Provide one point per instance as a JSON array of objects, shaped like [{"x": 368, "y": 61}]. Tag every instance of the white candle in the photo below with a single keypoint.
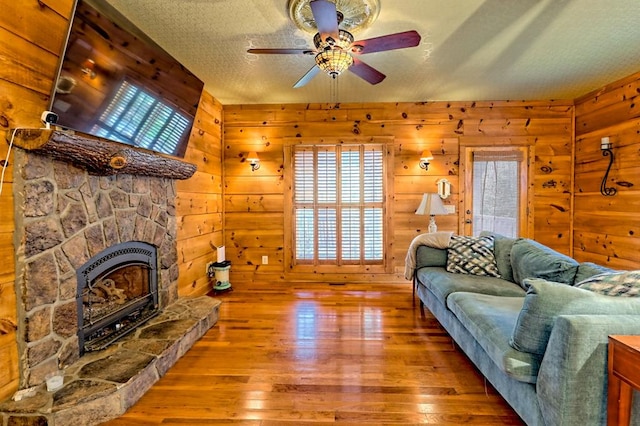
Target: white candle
[
  {"x": 221, "y": 255},
  {"x": 604, "y": 143}
]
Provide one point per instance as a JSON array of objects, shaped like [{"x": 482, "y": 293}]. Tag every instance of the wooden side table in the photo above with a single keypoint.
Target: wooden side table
[{"x": 624, "y": 376}]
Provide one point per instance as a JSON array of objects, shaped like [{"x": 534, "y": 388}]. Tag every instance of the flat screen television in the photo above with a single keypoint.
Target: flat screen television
[{"x": 116, "y": 83}]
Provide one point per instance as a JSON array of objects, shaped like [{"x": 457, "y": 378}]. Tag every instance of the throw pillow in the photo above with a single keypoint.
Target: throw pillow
[
  {"x": 530, "y": 259},
  {"x": 502, "y": 250},
  {"x": 546, "y": 300},
  {"x": 472, "y": 255},
  {"x": 624, "y": 283}
]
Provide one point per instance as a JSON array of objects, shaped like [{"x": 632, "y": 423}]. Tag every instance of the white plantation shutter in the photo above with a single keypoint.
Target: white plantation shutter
[
  {"x": 305, "y": 193},
  {"x": 374, "y": 197},
  {"x": 339, "y": 211}
]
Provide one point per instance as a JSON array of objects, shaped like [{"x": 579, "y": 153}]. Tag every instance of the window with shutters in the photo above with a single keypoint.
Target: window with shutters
[
  {"x": 338, "y": 204},
  {"x": 140, "y": 118}
]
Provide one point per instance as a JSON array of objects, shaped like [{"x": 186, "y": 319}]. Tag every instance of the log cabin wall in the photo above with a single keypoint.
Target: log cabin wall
[
  {"x": 254, "y": 201},
  {"x": 607, "y": 228},
  {"x": 199, "y": 200},
  {"x": 32, "y": 34}
]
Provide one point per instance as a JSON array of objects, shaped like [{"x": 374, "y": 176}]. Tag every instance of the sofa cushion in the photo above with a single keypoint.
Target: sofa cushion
[
  {"x": 623, "y": 283},
  {"x": 546, "y": 300},
  {"x": 502, "y": 250},
  {"x": 490, "y": 320},
  {"x": 442, "y": 283},
  {"x": 472, "y": 255},
  {"x": 530, "y": 259},
  {"x": 588, "y": 269}
]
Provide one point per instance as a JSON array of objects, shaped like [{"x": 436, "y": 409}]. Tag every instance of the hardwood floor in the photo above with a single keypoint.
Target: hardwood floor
[{"x": 323, "y": 354}]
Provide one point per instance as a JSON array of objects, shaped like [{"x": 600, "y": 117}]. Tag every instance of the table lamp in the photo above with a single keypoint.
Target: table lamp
[{"x": 432, "y": 205}]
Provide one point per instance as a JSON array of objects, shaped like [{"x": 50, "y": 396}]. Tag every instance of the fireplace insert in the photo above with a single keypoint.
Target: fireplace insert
[{"x": 117, "y": 292}]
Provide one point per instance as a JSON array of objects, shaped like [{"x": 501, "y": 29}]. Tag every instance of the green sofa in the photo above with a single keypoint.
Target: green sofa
[{"x": 539, "y": 339}]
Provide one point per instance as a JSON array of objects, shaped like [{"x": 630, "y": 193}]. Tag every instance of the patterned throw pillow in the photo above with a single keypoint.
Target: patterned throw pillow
[
  {"x": 472, "y": 255},
  {"x": 624, "y": 283}
]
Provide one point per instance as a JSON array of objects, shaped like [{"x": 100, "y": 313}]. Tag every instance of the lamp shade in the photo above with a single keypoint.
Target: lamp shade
[
  {"x": 426, "y": 155},
  {"x": 431, "y": 204},
  {"x": 252, "y": 156}
]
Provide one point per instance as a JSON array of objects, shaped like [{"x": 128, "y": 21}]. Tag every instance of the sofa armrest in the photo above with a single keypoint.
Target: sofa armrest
[
  {"x": 430, "y": 256},
  {"x": 572, "y": 381}
]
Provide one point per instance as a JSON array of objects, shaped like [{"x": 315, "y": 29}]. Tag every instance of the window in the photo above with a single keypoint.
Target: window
[
  {"x": 496, "y": 190},
  {"x": 496, "y": 198},
  {"x": 139, "y": 118},
  {"x": 339, "y": 205}
]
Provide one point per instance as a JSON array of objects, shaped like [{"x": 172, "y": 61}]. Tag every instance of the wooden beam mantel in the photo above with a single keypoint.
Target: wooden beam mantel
[{"x": 99, "y": 156}]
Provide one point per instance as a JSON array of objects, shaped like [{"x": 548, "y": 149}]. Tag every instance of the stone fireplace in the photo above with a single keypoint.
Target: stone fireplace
[
  {"x": 96, "y": 260},
  {"x": 70, "y": 216}
]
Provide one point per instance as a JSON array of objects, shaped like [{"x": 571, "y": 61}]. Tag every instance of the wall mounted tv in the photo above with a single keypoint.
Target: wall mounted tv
[{"x": 115, "y": 82}]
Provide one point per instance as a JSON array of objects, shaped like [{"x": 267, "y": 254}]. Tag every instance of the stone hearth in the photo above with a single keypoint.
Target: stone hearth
[{"x": 103, "y": 385}]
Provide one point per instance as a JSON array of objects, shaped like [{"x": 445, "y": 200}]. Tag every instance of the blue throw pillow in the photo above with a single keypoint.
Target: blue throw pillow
[
  {"x": 547, "y": 300},
  {"x": 530, "y": 259}
]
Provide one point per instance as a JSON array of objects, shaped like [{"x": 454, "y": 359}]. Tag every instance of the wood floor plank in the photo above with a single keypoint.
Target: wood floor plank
[{"x": 321, "y": 354}]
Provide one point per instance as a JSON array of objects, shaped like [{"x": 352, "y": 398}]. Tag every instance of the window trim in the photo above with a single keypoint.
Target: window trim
[{"x": 294, "y": 269}]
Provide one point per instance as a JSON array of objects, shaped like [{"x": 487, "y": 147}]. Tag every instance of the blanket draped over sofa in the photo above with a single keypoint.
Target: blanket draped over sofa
[{"x": 535, "y": 323}]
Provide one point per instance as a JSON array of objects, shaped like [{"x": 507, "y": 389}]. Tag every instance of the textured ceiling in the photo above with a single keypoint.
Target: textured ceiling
[{"x": 470, "y": 49}]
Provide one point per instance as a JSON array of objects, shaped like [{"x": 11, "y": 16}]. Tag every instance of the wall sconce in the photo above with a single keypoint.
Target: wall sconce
[
  {"x": 606, "y": 146},
  {"x": 431, "y": 205},
  {"x": 89, "y": 68},
  {"x": 425, "y": 157},
  {"x": 253, "y": 160}
]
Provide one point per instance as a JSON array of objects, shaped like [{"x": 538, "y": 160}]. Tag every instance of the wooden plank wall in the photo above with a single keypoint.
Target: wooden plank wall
[
  {"x": 607, "y": 228},
  {"x": 32, "y": 35},
  {"x": 199, "y": 200},
  {"x": 31, "y": 38},
  {"x": 254, "y": 201}
]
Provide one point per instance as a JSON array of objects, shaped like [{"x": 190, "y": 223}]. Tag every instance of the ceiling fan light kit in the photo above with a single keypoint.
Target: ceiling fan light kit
[
  {"x": 334, "y": 62},
  {"x": 335, "y": 47}
]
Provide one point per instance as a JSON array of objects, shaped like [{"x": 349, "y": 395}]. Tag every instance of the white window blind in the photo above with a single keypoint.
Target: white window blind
[{"x": 339, "y": 204}]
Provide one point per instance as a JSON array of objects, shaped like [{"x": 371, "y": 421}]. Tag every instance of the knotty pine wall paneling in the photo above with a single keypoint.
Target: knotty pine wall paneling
[
  {"x": 254, "y": 202},
  {"x": 607, "y": 228},
  {"x": 199, "y": 207},
  {"x": 31, "y": 38},
  {"x": 32, "y": 34}
]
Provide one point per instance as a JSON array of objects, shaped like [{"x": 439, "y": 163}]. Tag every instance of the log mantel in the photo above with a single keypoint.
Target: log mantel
[{"x": 99, "y": 156}]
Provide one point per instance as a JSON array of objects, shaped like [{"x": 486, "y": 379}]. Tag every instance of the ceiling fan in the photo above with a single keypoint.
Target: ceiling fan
[{"x": 335, "y": 49}]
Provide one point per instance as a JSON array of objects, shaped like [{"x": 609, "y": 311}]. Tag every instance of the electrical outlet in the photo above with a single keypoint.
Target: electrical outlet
[
  {"x": 265, "y": 260},
  {"x": 450, "y": 208},
  {"x": 206, "y": 270}
]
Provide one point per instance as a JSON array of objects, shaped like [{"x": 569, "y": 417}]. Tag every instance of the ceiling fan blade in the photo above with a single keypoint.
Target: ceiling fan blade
[
  {"x": 307, "y": 77},
  {"x": 326, "y": 17},
  {"x": 282, "y": 51},
  {"x": 366, "y": 72},
  {"x": 386, "y": 42}
]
